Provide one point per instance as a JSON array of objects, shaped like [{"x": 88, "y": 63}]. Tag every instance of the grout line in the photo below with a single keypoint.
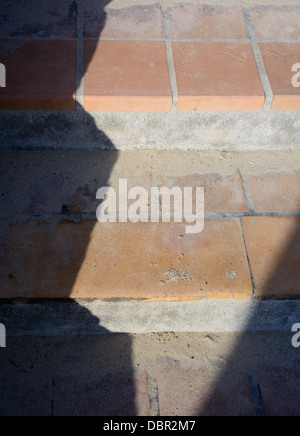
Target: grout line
[
  {"x": 80, "y": 57},
  {"x": 119, "y": 38},
  {"x": 115, "y": 38},
  {"x": 78, "y": 217},
  {"x": 249, "y": 24},
  {"x": 170, "y": 60},
  {"x": 259, "y": 60},
  {"x": 153, "y": 396},
  {"x": 248, "y": 260},
  {"x": 255, "y": 391},
  {"x": 240, "y": 41},
  {"x": 263, "y": 76},
  {"x": 52, "y": 400}
]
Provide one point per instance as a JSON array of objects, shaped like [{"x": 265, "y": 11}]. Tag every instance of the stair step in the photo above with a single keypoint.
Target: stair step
[
  {"x": 150, "y": 58},
  {"x": 53, "y": 246}
]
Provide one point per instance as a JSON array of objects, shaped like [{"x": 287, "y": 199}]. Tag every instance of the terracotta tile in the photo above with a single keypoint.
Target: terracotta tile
[
  {"x": 207, "y": 22},
  {"x": 126, "y": 76},
  {"x": 26, "y": 250},
  {"x": 276, "y": 23},
  {"x": 279, "y": 58},
  {"x": 222, "y": 193},
  {"x": 115, "y": 394},
  {"x": 185, "y": 390},
  {"x": 217, "y": 76},
  {"x": 47, "y": 20},
  {"x": 275, "y": 192},
  {"x": 35, "y": 79},
  {"x": 273, "y": 245},
  {"x": 138, "y": 21},
  {"x": 151, "y": 261}
]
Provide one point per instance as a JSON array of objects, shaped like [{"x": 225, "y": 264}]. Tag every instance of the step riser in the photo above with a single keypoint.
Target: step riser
[
  {"x": 98, "y": 318},
  {"x": 232, "y": 131}
]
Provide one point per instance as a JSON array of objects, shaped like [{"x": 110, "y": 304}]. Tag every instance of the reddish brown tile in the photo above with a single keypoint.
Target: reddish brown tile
[
  {"x": 280, "y": 60},
  {"x": 273, "y": 245},
  {"x": 151, "y": 261},
  {"x": 207, "y": 22},
  {"x": 39, "y": 75},
  {"x": 222, "y": 193},
  {"x": 217, "y": 76},
  {"x": 276, "y": 23},
  {"x": 275, "y": 192},
  {"x": 136, "y": 21},
  {"x": 126, "y": 76}
]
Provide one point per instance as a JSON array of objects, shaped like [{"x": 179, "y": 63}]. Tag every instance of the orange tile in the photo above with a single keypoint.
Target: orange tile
[
  {"x": 274, "y": 23},
  {"x": 275, "y": 192},
  {"x": 273, "y": 245},
  {"x": 207, "y": 22},
  {"x": 126, "y": 76},
  {"x": 138, "y": 21},
  {"x": 222, "y": 193},
  {"x": 39, "y": 74},
  {"x": 217, "y": 76},
  {"x": 279, "y": 58},
  {"x": 124, "y": 260}
]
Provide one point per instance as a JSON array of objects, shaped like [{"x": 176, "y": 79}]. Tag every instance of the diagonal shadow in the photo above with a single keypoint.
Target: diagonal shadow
[{"x": 81, "y": 375}]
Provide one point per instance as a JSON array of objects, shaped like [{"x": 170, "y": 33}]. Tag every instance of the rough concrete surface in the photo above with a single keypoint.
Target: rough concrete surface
[
  {"x": 73, "y": 318},
  {"x": 77, "y": 375},
  {"x": 230, "y": 131}
]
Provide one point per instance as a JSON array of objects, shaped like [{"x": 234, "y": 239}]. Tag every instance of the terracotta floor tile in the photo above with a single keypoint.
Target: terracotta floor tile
[
  {"x": 207, "y": 22},
  {"x": 222, "y": 193},
  {"x": 151, "y": 261},
  {"x": 273, "y": 245},
  {"x": 136, "y": 21},
  {"x": 126, "y": 76},
  {"x": 276, "y": 23},
  {"x": 185, "y": 390},
  {"x": 274, "y": 192},
  {"x": 217, "y": 76},
  {"x": 35, "y": 79},
  {"x": 279, "y": 58}
]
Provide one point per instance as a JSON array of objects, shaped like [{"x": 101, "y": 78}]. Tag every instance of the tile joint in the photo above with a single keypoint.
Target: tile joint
[{"x": 258, "y": 59}]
